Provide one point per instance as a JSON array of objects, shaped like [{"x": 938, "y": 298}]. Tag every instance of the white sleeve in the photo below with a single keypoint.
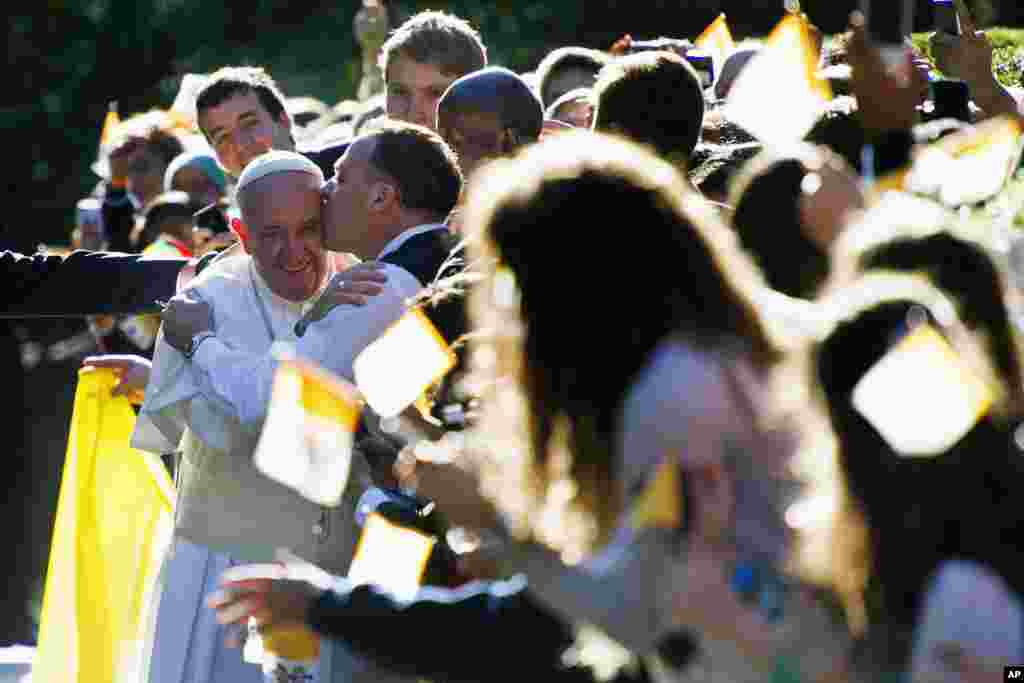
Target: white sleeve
[
  {"x": 335, "y": 341},
  {"x": 966, "y": 605},
  {"x": 240, "y": 382}
]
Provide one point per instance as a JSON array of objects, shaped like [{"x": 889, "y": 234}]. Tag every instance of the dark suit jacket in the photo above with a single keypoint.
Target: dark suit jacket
[
  {"x": 83, "y": 283},
  {"x": 482, "y": 632}
]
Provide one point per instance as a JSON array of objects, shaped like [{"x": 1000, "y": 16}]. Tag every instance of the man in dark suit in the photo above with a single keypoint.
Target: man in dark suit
[{"x": 84, "y": 283}]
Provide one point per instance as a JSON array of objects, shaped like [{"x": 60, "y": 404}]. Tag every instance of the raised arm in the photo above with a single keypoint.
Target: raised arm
[{"x": 84, "y": 283}]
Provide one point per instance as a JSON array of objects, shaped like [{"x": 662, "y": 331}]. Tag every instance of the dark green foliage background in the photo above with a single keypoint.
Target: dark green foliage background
[{"x": 67, "y": 58}]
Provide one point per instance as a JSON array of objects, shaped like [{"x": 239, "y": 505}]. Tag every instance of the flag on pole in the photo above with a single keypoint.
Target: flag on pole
[
  {"x": 779, "y": 95},
  {"x": 306, "y": 442},
  {"x": 410, "y": 357},
  {"x": 717, "y": 40},
  {"x": 114, "y": 521},
  {"x": 110, "y": 123}
]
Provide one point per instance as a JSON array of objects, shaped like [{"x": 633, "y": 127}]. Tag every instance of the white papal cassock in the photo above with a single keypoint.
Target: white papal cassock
[{"x": 210, "y": 409}]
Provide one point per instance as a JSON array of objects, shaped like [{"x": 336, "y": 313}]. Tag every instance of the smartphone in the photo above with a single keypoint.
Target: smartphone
[
  {"x": 945, "y": 17},
  {"x": 951, "y": 100}
]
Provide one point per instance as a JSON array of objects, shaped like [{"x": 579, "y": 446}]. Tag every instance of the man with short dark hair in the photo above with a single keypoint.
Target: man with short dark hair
[
  {"x": 488, "y": 114},
  {"x": 422, "y": 58},
  {"x": 654, "y": 98},
  {"x": 568, "y": 68},
  {"x": 241, "y": 112}
]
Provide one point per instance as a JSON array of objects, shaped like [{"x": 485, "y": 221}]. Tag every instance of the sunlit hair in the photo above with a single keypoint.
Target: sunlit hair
[
  {"x": 497, "y": 91},
  {"x": 964, "y": 271},
  {"x": 875, "y": 524},
  {"x": 766, "y": 196},
  {"x": 654, "y": 98},
  {"x": 563, "y": 331},
  {"x": 442, "y": 40},
  {"x": 564, "y": 59}
]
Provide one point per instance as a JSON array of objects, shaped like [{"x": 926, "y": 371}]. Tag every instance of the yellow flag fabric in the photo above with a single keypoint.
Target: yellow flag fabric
[
  {"x": 391, "y": 556},
  {"x": 717, "y": 39},
  {"x": 114, "y": 520},
  {"x": 110, "y": 124},
  {"x": 779, "y": 95},
  {"x": 394, "y": 370},
  {"x": 660, "y": 506},
  {"x": 306, "y": 442}
]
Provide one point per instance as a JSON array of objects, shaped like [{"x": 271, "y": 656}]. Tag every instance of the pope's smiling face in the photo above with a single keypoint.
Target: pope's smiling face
[{"x": 282, "y": 215}]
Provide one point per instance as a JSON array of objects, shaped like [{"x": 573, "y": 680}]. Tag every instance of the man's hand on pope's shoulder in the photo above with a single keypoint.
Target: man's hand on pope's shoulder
[{"x": 184, "y": 317}]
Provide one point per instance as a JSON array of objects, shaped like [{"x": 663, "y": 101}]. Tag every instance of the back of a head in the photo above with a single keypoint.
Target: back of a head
[
  {"x": 766, "y": 198},
  {"x": 568, "y": 68},
  {"x": 714, "y": 174},
  {"x": 442, "y": 40},
  {"x": 905, "y": 536},
  {"x": 495, "y": 90},
  {"x": 964, "y": 271},
  {"x": 839, "y": 129},
  {"x": 531, "y": 209},
  {"x": 422, "y": 165},
  {"x": 654, "y": 98},
  {"x": 230, "y": 81}
]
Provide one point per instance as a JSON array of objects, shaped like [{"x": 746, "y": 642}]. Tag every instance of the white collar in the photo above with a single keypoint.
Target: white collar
[{"x": 406, "y": 235}]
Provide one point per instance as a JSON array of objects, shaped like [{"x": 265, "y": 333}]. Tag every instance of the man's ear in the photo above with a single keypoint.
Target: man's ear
[{"x": 382, "y": 196}]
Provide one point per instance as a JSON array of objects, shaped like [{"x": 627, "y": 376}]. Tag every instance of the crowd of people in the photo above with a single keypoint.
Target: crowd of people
[{"x": 756, "y": 417}]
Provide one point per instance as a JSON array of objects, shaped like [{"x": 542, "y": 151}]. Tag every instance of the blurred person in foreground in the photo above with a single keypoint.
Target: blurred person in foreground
[
  {"x": 930, "y": 589},
  {"x": 790, "y": 205},
  {"x": 570, "y": 442}
]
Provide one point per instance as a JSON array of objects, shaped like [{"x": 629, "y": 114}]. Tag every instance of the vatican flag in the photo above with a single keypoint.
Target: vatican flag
[
  {"x": 401, "y": 364},
  {"x": 306, "y": 443},
  {"x": 114, "y": 521},
  {"x": 778, "y": 97},
  {"x": 717, "y": 40}
]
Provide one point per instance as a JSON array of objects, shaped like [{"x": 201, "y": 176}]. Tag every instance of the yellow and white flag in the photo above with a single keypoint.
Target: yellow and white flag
[
  {"x": 969, "y": 167},
  {"x": 114, "y": 521},
  {"x": 778, "y": 96},
  {"x": 717, "y": 40},
  {"x": 110, "y": 123},
  {"x": 921, "y": 396},
  {"x": 391, "y": 556},
  {"x": 306, "y": 443},
  {"x": 411, "y": 356}
]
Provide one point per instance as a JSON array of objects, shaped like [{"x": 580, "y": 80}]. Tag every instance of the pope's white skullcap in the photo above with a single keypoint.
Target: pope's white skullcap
[{"x": 277, "y": 162}]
